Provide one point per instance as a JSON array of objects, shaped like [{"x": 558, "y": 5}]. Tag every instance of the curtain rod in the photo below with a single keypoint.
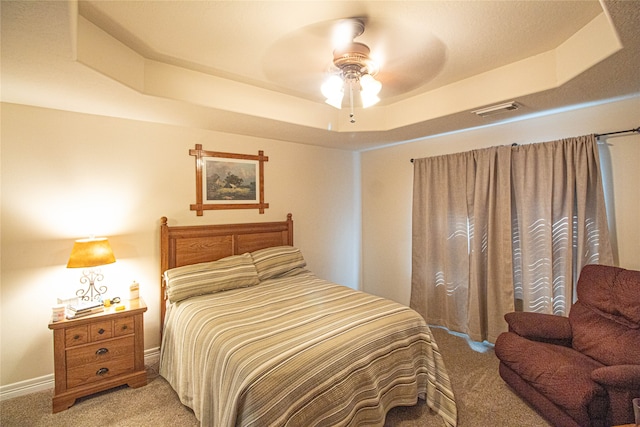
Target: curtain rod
[
  {"x": 598, "y": 135},
  {"x": 637, "y": 130}
]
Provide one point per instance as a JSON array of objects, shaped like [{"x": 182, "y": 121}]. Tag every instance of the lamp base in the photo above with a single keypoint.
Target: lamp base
[{"x": 93, "y": 292}]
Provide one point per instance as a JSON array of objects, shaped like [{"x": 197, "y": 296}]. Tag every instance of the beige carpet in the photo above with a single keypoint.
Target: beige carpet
[{"x": 482, "y": 397}]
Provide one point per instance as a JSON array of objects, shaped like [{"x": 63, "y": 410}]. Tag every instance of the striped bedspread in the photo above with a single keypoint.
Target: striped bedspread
[{"x": 301, "y": 351}]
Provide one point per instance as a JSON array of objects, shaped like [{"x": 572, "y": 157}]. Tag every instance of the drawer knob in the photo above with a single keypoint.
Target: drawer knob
[
  {"x": 102, "y": 371},
  {"x": 124, "y": 327},
  {"x": 101, "y": 331},
  {"x": 76, "y": 337},
  {"x": 102, "y": 351}
]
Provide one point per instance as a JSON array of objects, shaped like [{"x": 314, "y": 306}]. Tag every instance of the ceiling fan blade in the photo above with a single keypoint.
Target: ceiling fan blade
[{"x": 408, "y": 58}]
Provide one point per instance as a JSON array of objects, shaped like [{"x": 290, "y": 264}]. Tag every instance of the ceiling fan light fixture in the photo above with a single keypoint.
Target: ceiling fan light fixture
[
  {"x": 355, "y": 72},
  {"x": 370, "y": 88},
  {"x": 368, "y": 99},
  {"x": 369, "y": 85},
  {"x": 332, "y": 87},
  {"x": 335, "y": 101}
]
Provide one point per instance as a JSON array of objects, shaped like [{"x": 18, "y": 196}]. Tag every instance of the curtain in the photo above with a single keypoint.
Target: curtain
[{"x": 500, "y": 228}]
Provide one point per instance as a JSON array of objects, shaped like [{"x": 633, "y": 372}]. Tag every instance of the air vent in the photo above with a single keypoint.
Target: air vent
[{"x": 495, "y": 109}]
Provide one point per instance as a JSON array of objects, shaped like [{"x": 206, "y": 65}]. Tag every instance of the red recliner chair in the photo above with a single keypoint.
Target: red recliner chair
[{"x": 583, "y": 370}]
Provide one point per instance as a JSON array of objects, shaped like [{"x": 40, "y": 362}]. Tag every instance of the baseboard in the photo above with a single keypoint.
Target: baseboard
[
  {"x": 152, "y": 356},
  {"x": 22, "y": 388},
  {"x": 47, "y": 382}
]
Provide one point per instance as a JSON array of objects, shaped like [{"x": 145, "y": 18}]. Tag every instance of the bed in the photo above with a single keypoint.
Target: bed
[{"x": 251, "y": 337}]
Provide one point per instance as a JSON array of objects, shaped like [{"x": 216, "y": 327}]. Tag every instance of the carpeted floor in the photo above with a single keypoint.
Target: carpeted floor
[{"x": 482, "y": 397}]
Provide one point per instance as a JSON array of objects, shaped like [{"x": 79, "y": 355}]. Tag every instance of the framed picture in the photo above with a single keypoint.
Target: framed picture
[{"x": 228, "y": 181}]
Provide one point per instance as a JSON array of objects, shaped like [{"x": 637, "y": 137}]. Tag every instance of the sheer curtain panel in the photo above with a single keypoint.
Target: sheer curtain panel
[{"x": 503, "y": 227}]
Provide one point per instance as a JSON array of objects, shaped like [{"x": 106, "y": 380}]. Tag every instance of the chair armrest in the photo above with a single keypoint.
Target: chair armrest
[
  {"x": 540, "y": 327},
  {"x": 620, "y": 376}
]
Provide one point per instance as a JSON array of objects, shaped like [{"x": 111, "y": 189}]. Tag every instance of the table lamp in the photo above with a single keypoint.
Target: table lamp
[{"x": 87, "y": 253}]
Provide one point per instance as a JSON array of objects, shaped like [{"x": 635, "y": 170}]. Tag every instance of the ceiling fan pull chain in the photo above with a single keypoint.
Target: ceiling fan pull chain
[{"x": 351, "y": 113}]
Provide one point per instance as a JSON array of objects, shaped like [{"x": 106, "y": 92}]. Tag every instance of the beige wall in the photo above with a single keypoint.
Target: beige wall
[
  {"x": 387, "y": 176},
  {"x": 67, "y": 175}
]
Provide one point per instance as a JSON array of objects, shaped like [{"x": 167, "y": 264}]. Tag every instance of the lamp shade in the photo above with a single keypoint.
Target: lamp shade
[{"x": 91, "y": 253}]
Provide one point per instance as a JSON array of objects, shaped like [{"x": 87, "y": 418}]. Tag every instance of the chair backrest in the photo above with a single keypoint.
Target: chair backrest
[{"x": 605, "y": 321}]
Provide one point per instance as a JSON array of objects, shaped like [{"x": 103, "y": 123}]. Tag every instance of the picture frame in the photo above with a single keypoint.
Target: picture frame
[{"x": 228, "y": 180}]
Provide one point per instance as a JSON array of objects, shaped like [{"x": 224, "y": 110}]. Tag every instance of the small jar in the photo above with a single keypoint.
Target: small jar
[
  {"x": 57, "y": 312},
  {"x": 134, "y": 290}
]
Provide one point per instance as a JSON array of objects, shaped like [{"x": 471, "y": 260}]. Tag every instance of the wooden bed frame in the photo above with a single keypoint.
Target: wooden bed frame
[{"x": 185, "y": 245}]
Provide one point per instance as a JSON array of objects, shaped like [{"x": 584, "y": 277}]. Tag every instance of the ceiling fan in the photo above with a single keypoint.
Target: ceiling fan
[{"x": 353, "y": 72}]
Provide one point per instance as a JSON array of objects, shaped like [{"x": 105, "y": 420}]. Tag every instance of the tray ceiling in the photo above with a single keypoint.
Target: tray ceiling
[{"x": 255, "y": 68}]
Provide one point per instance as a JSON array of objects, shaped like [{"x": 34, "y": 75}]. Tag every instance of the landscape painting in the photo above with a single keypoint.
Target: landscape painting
[{"x": 229, "y": 180}]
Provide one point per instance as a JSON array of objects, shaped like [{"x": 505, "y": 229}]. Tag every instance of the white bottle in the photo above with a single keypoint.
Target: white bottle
[{"x": 134, "y": 290}]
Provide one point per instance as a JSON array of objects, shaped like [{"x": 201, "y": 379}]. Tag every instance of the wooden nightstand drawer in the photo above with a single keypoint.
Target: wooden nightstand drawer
[
  {"x": 76, "y": 335},
  {"x": 100, "y": 352},
  {"x": 124, "y": 326},
  {"x": 99, "y": 371},
  {"x": 101, "y": 330}
]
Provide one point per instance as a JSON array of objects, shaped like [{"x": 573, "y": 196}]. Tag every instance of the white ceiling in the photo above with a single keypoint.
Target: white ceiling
[{"x": 255, "y": 68}]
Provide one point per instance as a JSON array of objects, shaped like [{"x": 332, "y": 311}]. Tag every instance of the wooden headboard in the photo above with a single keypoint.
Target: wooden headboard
[{"x": 184, "y": 245}]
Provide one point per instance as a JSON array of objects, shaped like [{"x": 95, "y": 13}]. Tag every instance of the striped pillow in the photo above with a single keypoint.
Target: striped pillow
[
  {"x": 277, "y": 261},
  {"x": 232, "y": 272}
]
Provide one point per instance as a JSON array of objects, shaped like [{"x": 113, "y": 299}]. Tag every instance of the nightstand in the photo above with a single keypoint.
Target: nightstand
[{"x": 98, "y": 352}]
